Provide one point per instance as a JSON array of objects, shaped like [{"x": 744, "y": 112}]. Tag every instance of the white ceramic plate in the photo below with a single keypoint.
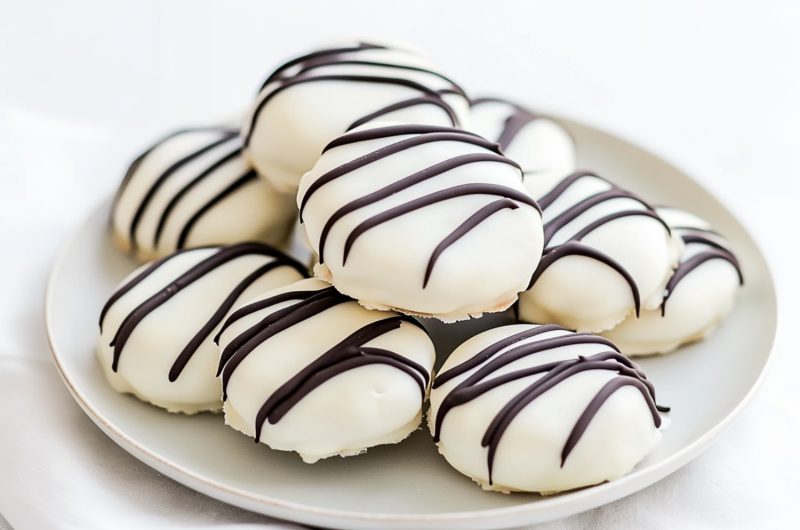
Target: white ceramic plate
[{"x": 410, "y": 485}]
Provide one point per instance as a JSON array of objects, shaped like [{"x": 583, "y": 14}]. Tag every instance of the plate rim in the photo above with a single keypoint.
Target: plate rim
[{"x": 554, "y": 507}]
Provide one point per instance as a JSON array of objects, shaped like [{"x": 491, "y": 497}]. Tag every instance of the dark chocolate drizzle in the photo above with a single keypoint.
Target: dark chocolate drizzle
[
  {"x": 250, "y": 177},
  {"x": 504, "y": 352},
  {"x": 221, "y": 257},
  {"x": 462, "y": 229},
  {"x": 572, "y": 245},
  {"x": 147, "y": 271},
  {"x": 516, "y": 121},
  {"x": 406, "y": 103},
  {"x": 338, "y": 61},
  {"x": 714, "y": 250},
  {"x": 134, "y": 165},
  {"x": 173, "y": 202},
  {"x": 216, "y": 318},
  {"x": 575, "y": 248},
  {"x": 313, "y": 57},
  {"x": 404, "y": 183},
  {"x": 303, "y": 70},
  {"x": 461, "y": 190},
  {"x": 583, "y": 206},
  {"x": 424, "y": 135},
  {"x": 389, "y": 131},
  {"x": 308, "y": 305},
  {"x": 419, "y": 135},
  {"x": 348, "y": 354},
  {"x": 228, "y": 156},
  {"x": 164, "y": 176}
]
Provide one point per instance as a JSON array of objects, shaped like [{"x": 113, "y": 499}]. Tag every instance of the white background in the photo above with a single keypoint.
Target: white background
[{"x": 712, "y": 86}]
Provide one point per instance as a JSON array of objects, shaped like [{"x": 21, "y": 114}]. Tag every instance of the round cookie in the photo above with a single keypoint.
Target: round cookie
[
  {"x": 156, "y": 330},
  {"x": 425, "y": 220},
  {"x": 537, "y": 143},
  {"x": 306, "y": 369},
  {"x": 699, "y": 294},
  {"x": 312, "y": 99},
  {"x": 193, "y": 188},
  {"x": 542, "y": 409},
  {"x": 607, "y": 255}
]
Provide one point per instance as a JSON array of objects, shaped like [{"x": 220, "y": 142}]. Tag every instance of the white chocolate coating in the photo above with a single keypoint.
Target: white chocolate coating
[
  {"x": 583, "y": 292},
  {"x": 537, "y": 143},
  {"x": 194, "y": 188},
  {"x": 337, "y": 408},
  {"x": 697, "y": 304},
  {"x": 305, "y": 103},
  {"x": 530, "y": 453},
  {"x": 158, "y": 339},
  {"x": 382, "y": 168}
]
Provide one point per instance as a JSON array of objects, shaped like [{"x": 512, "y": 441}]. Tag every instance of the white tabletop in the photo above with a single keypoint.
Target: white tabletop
[{"x": 711, "y": 86}]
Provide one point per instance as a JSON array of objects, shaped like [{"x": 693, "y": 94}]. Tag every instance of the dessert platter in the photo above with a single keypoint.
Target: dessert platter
[{"x": 385, "y": 302}]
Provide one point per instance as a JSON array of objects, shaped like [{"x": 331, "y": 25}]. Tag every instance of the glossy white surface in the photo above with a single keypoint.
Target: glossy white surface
[{"x": 384, "y": 487}]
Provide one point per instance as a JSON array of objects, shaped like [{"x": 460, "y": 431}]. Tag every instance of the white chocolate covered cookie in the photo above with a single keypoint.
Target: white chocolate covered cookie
[
  {"x": 306, "y": 369},
  {"x": 537, "y": 143},
  {"x": 156, "y": 330},
  {"x": 312, "y": 99},
  {"x": 193, "y": 188},
  {"x": 607, "y": 256},
  {"x": 421, "y": 219},
  {"x": 698, "y": 296},
  {"x": 542, "y": 409}
]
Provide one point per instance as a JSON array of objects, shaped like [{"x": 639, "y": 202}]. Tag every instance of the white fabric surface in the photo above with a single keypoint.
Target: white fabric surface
[{"x": 712, "y": 86}]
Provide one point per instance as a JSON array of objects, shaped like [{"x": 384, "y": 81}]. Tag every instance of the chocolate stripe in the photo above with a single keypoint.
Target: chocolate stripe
[
  {"x": 597, "y": 401},
  {"x": 550, "y": 197},
  {"x": 454, "y": 87},
  {"x": 513, "y": 125},
  {"x": 463, "y": 229},
  {"x": 574, "y": 248},
  {"x": 555, "y": 376},
  {"x": 402, "y": 184},
  {"x": 399, "y": 130},
  {"x": 198, "y": 271},
  {"x": 488, "y": 352},
  {"x": 162, "y": 178},
  {"x": 433, "y": 198},
  {"x": 446, "y": 135},
  {"x": 472, "y": 387},
  {"x": 245, "y": 336},
  {"x": 400, "y": 105},
  {"x": 346, "y": 355},
  {"x": 173, "y": 202},
  {"x": 594, "y": 225},
  {"x": 369, "y": 79},
  {"x": 692, "y": 263},
  {"x": 189, "y": 350},
  {"x": 289, "y": 317},
  {"x": 253, "y": 307},
  {"x": 134, "y": 165},
  {"x": 573, "y": 212},
  {"x": 248, "y": 177},
  {"x": 122, "y": 291},
  {"x": 314, "y": 56}
]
